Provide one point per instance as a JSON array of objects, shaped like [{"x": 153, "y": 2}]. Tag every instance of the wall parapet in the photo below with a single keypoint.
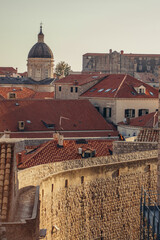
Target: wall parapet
[
  {"x": 128, "y": 147},
  {"x": 34, "y": 175}
]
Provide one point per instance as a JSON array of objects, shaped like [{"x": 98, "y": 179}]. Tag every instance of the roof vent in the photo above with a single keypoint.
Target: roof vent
[
  {"x": 17, "y": 104},
  {"x": 21, "y": 125}
]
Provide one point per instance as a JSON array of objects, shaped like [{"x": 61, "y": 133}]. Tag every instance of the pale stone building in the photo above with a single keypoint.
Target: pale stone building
[
  {"x": 40, "y": 60},
  {"x": 120, "y": 62}
]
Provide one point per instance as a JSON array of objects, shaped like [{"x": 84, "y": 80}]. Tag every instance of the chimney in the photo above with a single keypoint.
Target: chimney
[
  {"x": 127, "y": 121},
  {"x": 122, "y": 52},
  {"x": 16, "y": 70},
  {"x": 55, "y": 136},
  {"x": 110, "y": 51},
  {"x": 6, "y": 133},
  {"x": 19, "y": 158},
  {"x": 60, "y": 140}
]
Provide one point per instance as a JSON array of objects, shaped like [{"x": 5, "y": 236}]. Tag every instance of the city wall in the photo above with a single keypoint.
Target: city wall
[
  {"x": 97, "y": 202},
  {"x": 120, "y": 147},
  {"x": 34, "y": 175}
]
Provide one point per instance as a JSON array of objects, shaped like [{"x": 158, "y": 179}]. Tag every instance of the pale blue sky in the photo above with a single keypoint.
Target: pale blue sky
[{"x": 73, "y": 27}]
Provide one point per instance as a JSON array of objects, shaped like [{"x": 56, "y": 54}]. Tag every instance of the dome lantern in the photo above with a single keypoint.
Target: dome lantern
[{"x": 41, "y": 35}]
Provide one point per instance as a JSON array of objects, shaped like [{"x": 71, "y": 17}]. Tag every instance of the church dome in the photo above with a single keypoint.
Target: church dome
[{"x": 40, "y": 49}]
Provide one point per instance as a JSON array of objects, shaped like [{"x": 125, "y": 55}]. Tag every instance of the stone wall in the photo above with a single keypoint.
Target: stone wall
[
  {"x": 120, "y": 147},
  {"x": 34, "y": 175},
  {"x": 119, "y": 62},
  {"x": 98, "y": 202}
]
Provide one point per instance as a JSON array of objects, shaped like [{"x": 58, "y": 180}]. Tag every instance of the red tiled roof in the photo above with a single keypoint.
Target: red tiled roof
[
  {"x": 74, "y": 134},
  {"x": 70, "y": 115},
  {"x": 147, "y": 120},
  {"x": 6, "y": 163},
  {"x": 49, "y": 152},
  {"x": 80, "y": 79},
  {"x": 24, "y": 93},
  {"x": 120, "y": 86},
  {"x": 141, "y": 55},
  {"x": 148, "y": 135},
  {"x": 24, "y": 74},
  {"x": 8, "y": 70},
  {"x": 95, "y": 54},
  {"x": 20, "y": 92},
  {"x": 125, "y": 54},
  {"x": 43, "y": 95}
]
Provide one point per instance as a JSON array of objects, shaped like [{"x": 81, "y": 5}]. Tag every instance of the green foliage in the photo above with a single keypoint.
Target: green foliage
[{"x": 62, "y": 69}]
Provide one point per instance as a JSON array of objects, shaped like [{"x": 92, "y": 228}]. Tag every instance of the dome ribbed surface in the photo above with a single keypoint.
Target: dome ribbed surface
[{"x": 40, "y": 50}]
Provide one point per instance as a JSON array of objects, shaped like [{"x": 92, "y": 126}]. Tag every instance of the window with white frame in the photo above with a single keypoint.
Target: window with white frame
[
  {"x": 129, "y": 113},
  {"x": 143, "y": 112}
]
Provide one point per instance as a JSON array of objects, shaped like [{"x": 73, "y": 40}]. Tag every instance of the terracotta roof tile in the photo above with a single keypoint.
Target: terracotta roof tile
[
  {"x": 24, "y": 93},
  {"x": 8, "y": 70},
  {"x": 80, "y": 79},
  {"x": 148, "y": 135},
  {"x": 148, "y": 120},
  {"x": 120, "y": 86},
  {"x": 49, "y": 152},
  {"x": 6, "y": 161},
  {"x": 51, "y": 115}
]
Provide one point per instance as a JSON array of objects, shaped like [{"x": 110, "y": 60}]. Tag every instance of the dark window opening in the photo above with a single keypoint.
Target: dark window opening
[
  {"x": 97, "y": 108},
  {"x": 71, "y": 89},
  {"x": 66, "y": 183},
  {"x": 76, "y": 89},
  {"x": 82, "y": 179},
  {"x": 60, "y": 88}
]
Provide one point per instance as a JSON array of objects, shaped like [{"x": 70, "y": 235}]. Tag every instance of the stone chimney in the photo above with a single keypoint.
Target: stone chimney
[
  {"x": 158, "y": 166},
  {"x": 110, "y": 51},
  {"x": 6, "y": 133},
  {"x": 60, "y": 140}
]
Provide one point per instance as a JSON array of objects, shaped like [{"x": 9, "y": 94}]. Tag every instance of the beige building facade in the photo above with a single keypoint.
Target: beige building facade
[{"x": 116, "y": 110}]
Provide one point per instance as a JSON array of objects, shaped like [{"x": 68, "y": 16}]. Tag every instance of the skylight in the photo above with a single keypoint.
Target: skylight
[
  {"x": 107, "y": 90},
  {"x": 133, "y": 93},
  {"x": 93, "y": 89},
  {"x": 151, "y": 93},
  {"x": 114, "y": 90},
  {"x": 100, "y": 90}
]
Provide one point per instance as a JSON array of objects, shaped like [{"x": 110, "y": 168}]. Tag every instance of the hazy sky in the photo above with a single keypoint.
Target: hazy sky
[{"x": 73, "y": 28}]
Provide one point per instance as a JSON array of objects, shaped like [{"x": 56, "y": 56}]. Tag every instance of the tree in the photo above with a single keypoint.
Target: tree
[{"x": 62, "y": 69}]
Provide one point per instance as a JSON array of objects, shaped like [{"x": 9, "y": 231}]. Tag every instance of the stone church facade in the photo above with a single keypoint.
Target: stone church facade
[
  {"x": 120, "y": 62},
  {"x": 40, "y": 60}
]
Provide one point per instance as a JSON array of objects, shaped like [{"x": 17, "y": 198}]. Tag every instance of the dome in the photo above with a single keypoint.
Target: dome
[{"x": 40, "y": 50}]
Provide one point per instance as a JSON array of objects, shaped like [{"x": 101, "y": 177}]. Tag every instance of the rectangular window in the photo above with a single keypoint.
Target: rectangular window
[
  {"x": 60, "y": 88},
  {"x": 71, "y": 89},
  {"x": 129, "y": 113},
  {"x": 12, "y": 95},
  {"x": 107, "y": 112},
  {"x": 143, "y": 112},
  {"x": 76, "y": 89}
]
